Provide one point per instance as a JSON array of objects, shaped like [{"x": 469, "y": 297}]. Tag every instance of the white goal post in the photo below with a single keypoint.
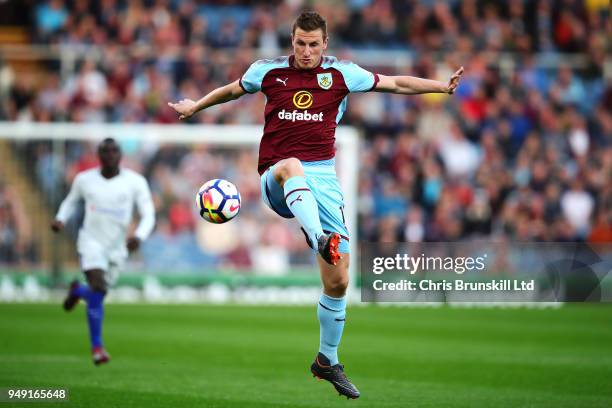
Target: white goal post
[{"x": 347, "y": 143}]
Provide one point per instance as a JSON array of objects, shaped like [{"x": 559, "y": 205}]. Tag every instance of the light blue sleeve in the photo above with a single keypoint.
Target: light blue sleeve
[
  {"x": 253, "y": 77},
  {"x": 356, "y": 78}
]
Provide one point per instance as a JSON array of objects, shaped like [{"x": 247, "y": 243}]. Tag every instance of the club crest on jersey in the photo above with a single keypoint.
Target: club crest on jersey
[{"x": 325, "y": 80}]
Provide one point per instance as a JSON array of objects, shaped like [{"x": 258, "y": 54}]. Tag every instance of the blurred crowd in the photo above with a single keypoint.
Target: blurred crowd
[
  {"x": 523, "y": 25},
  {"x": 186, "y": 48},
  {"x": 522, "y": 150},
  {"x": 16, "y": 242}
]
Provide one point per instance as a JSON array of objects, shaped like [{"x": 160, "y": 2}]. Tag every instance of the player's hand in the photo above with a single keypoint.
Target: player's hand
[
  {"x": 454, "y": 81},
  {"x": 133, "y": 243},
  {"x": 185, "y": 108},
  {"x": 57, "y": 226}
]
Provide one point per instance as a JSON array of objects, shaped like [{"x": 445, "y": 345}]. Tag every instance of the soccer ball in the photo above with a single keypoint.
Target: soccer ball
[{"x": 218, "y": 201}]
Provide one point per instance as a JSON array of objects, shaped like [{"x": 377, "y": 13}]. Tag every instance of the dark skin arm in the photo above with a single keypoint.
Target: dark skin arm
[
  {"x": 133, "y": 243},
  {"x": 57, "y": 226}
]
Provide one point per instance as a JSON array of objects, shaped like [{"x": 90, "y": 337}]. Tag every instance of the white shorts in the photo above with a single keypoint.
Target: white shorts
[{"x": 93, "y": 256}]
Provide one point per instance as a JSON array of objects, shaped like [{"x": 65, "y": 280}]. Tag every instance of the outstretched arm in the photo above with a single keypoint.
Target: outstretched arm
[
  {"x": 409, "y": 85},
  {"x": 187, "y": 108}
]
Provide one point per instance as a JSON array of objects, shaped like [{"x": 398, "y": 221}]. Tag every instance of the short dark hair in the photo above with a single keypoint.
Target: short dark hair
[
  {"x": 310, "y": 20},
  {"x": 107, "y": 141}
]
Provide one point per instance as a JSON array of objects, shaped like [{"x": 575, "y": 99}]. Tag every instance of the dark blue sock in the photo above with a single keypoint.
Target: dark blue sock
[
  {"x": 82, "y": 291},
  {"x": 95, "y": 315},
  {"x": 95, "y": 312}
]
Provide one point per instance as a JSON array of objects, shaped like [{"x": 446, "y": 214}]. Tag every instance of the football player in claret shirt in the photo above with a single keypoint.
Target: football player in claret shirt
[{"x": 306, "y": 95}]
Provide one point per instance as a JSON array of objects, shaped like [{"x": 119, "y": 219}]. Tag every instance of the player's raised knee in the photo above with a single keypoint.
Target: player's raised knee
[
  {"x": 287, "y": 168},
  {"x": 336, "y": 286}
]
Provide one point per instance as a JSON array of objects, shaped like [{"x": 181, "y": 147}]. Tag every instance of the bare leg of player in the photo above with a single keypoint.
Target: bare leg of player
[
  {"x": 286, "y": 169},
  {"x": 335, "y": 277}
]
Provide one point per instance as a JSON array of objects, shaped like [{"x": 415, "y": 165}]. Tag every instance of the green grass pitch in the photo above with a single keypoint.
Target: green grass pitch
[{"x": 239, "y": 356}]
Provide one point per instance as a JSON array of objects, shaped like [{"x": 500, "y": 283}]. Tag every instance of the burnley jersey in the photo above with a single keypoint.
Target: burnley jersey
[{"x": 303, "y": 106}]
